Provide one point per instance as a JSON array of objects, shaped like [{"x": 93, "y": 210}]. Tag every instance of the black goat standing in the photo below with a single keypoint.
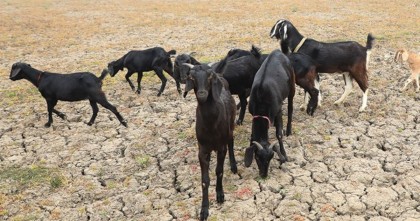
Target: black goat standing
[
  {"x": 273, "y": 83},
  {"x": 66, "y": 87},
  {"x": 239, "y": 67},
  {"x": 215, "y": 116},
  {"x": 181, "y": 71},
  {"x": 152, "y": 59},
  {"x": 349, "y": 56}
]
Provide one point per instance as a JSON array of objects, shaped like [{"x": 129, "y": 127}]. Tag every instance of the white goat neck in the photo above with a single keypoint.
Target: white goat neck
[{"x": 299, "y": 45}]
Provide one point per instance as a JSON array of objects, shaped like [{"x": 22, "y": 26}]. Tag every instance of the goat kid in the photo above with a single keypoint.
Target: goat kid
[
  {"x": 215, "y": 116},
  {"x": 413, "y": 61},
  {"x": 273, "y": 83},
  {"x": 153, "y": 59},
  {"x": 66, "y": 87},
  {"x": 349, "y": 57}
]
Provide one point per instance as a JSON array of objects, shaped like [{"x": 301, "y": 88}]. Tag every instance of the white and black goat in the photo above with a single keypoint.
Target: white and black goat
[
  {"x": 152, "y": 59},
  {"x": 413, "y": 61},
  {"x": 66, "y": 87},
  {"x": 349, "y": 57},
  {"x": 273, "y": 83},
  {"x": 215, "y": 116}
]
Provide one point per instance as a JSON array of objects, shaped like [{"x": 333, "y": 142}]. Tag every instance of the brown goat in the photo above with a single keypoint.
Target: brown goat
[{"x": 414, "y": 64}]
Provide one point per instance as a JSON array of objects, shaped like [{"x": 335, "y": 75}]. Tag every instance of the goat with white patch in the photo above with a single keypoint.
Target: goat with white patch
[
  {"x": 348, "y": 57},
  {"x": 413, "y": 61}
]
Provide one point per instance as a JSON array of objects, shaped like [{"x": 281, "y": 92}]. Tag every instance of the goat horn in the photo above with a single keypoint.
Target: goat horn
[
  {"x": 188, "y": 65},
  {"x": 192, "y": 53},
  {"x": 259, "y": 146}
]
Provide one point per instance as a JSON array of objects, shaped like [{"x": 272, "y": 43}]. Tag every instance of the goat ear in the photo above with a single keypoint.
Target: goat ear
[
  {"x": 249, "y": 155},
  {"x": 189, "y": 85},
  {"x": 15, "y": 72},
  {"x": 194, "y": 62},
  {"x": 216, "y": 86}
]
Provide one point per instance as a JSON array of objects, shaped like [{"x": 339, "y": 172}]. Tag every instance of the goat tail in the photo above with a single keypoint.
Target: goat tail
[
  {"x": 369, "y": 42},
  {"x": 369, "y": 45},
  {"x": 256, "y": 51},
  {"x": 103, "y": 74}
]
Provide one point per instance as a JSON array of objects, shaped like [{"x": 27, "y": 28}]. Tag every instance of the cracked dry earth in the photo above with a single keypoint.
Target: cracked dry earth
[{"x": 343, "y": 165}]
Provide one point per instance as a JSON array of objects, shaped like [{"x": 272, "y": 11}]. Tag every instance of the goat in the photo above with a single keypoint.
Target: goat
[
  {"x": 239, "y": 67},
  {"x": 273, "y": 83},
  {"x": 66, "y": 87},
  {"x": 215, "y": 116},
  {"x": 306, "y": 77},
  {"x": 349, "y": 56},
  {"x": 156, "y": 59},
  {"x": 414, "y": 64}
]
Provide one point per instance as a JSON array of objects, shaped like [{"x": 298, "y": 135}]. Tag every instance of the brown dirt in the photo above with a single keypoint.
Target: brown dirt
[{"x": 344, "y": 165}]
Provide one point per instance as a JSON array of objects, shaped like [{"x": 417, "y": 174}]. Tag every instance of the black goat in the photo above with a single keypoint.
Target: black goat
[
  {"x": 273, "y": 83},
  {"x": 239, "y": 67},
  {"x": 66, "y": 87},
  {"x": 214, "y": 126},
  {"x": 181, "y": 71},
  {"x": 349, "y": 56},
  {"x": 152, "y": 59}
]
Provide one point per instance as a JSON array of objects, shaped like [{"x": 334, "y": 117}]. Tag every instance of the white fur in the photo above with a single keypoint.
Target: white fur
[
  {"x": 317, "y": 86},
  {"x": 364, "y": 101},
  {"x": 368, "y": 52},
  {"x": 285, "y": 32},
  {"x": 275, "y": 28},
  {"x": 347, "y": 89}
]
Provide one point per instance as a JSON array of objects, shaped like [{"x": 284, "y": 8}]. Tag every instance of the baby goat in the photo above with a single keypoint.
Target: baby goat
[
  {"x": 414, "y": 64},
  {"x": 152, "y": 59},
  {"x": 273, "y": 83},
  {"x": 349, "y": 56},
  {"x": 215, "y": 116},
  {"x": 66, "y": 87}
]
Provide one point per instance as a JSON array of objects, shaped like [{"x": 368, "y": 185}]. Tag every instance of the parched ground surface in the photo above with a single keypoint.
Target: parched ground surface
[{"x": 344, "y": 165}]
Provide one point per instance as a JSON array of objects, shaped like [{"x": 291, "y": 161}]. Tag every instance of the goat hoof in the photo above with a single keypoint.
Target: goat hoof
[
  {"x": 239, "y": 122},
  {"x": 47, "y": 125},
  {"x": 124, "y": 123},
  {"x": 89, "y": 123},
  {"x": 204, "y": 213},
  {"x": 220, "y": 197},
  {"x": 234, "y": 169},
  {"x": 138, "y": 91},
  {"x": 159, "y": 94}
]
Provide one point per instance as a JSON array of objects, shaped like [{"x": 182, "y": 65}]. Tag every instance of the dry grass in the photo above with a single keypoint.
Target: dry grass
[{"x": 85, "y": 35}]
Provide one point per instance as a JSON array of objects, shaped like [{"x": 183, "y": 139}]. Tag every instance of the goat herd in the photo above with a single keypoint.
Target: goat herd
[{"x": 268, "y": 79}]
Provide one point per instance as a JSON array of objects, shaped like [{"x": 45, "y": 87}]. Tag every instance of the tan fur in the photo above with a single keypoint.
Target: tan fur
[{"x": 413, "y": 61}]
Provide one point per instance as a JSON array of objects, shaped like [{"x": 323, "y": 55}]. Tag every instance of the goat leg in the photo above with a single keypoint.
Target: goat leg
[
  {"x": 204, "y": 158},
  {"x": 95, "y": 110},
  {"x": 279, "y": 134},
  {"x": 50, "y": 105},
  {"x": 60, "y": 114},
  {"x": 127, "y": 77},
  {"x": 232, "y": 160},
  {"x": 162, "y": 77},
  {"x": 313, "y": 102},
  {"x": 243, "y": 103},
  {"x": 113, "y": 109},
  {"x": 221, "y": 155}
]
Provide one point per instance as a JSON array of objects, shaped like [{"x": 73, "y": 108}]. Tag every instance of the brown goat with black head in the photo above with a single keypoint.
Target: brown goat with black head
[
  {"x": 215, "y": 116},
  {"x": 348, "y": 57}
]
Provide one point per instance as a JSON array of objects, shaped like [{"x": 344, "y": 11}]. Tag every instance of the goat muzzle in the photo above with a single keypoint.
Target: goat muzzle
[{"x": 202, "y": 95}]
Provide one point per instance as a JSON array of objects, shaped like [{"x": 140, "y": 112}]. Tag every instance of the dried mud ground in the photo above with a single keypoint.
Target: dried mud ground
[{"x": 343, "y": 165}]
